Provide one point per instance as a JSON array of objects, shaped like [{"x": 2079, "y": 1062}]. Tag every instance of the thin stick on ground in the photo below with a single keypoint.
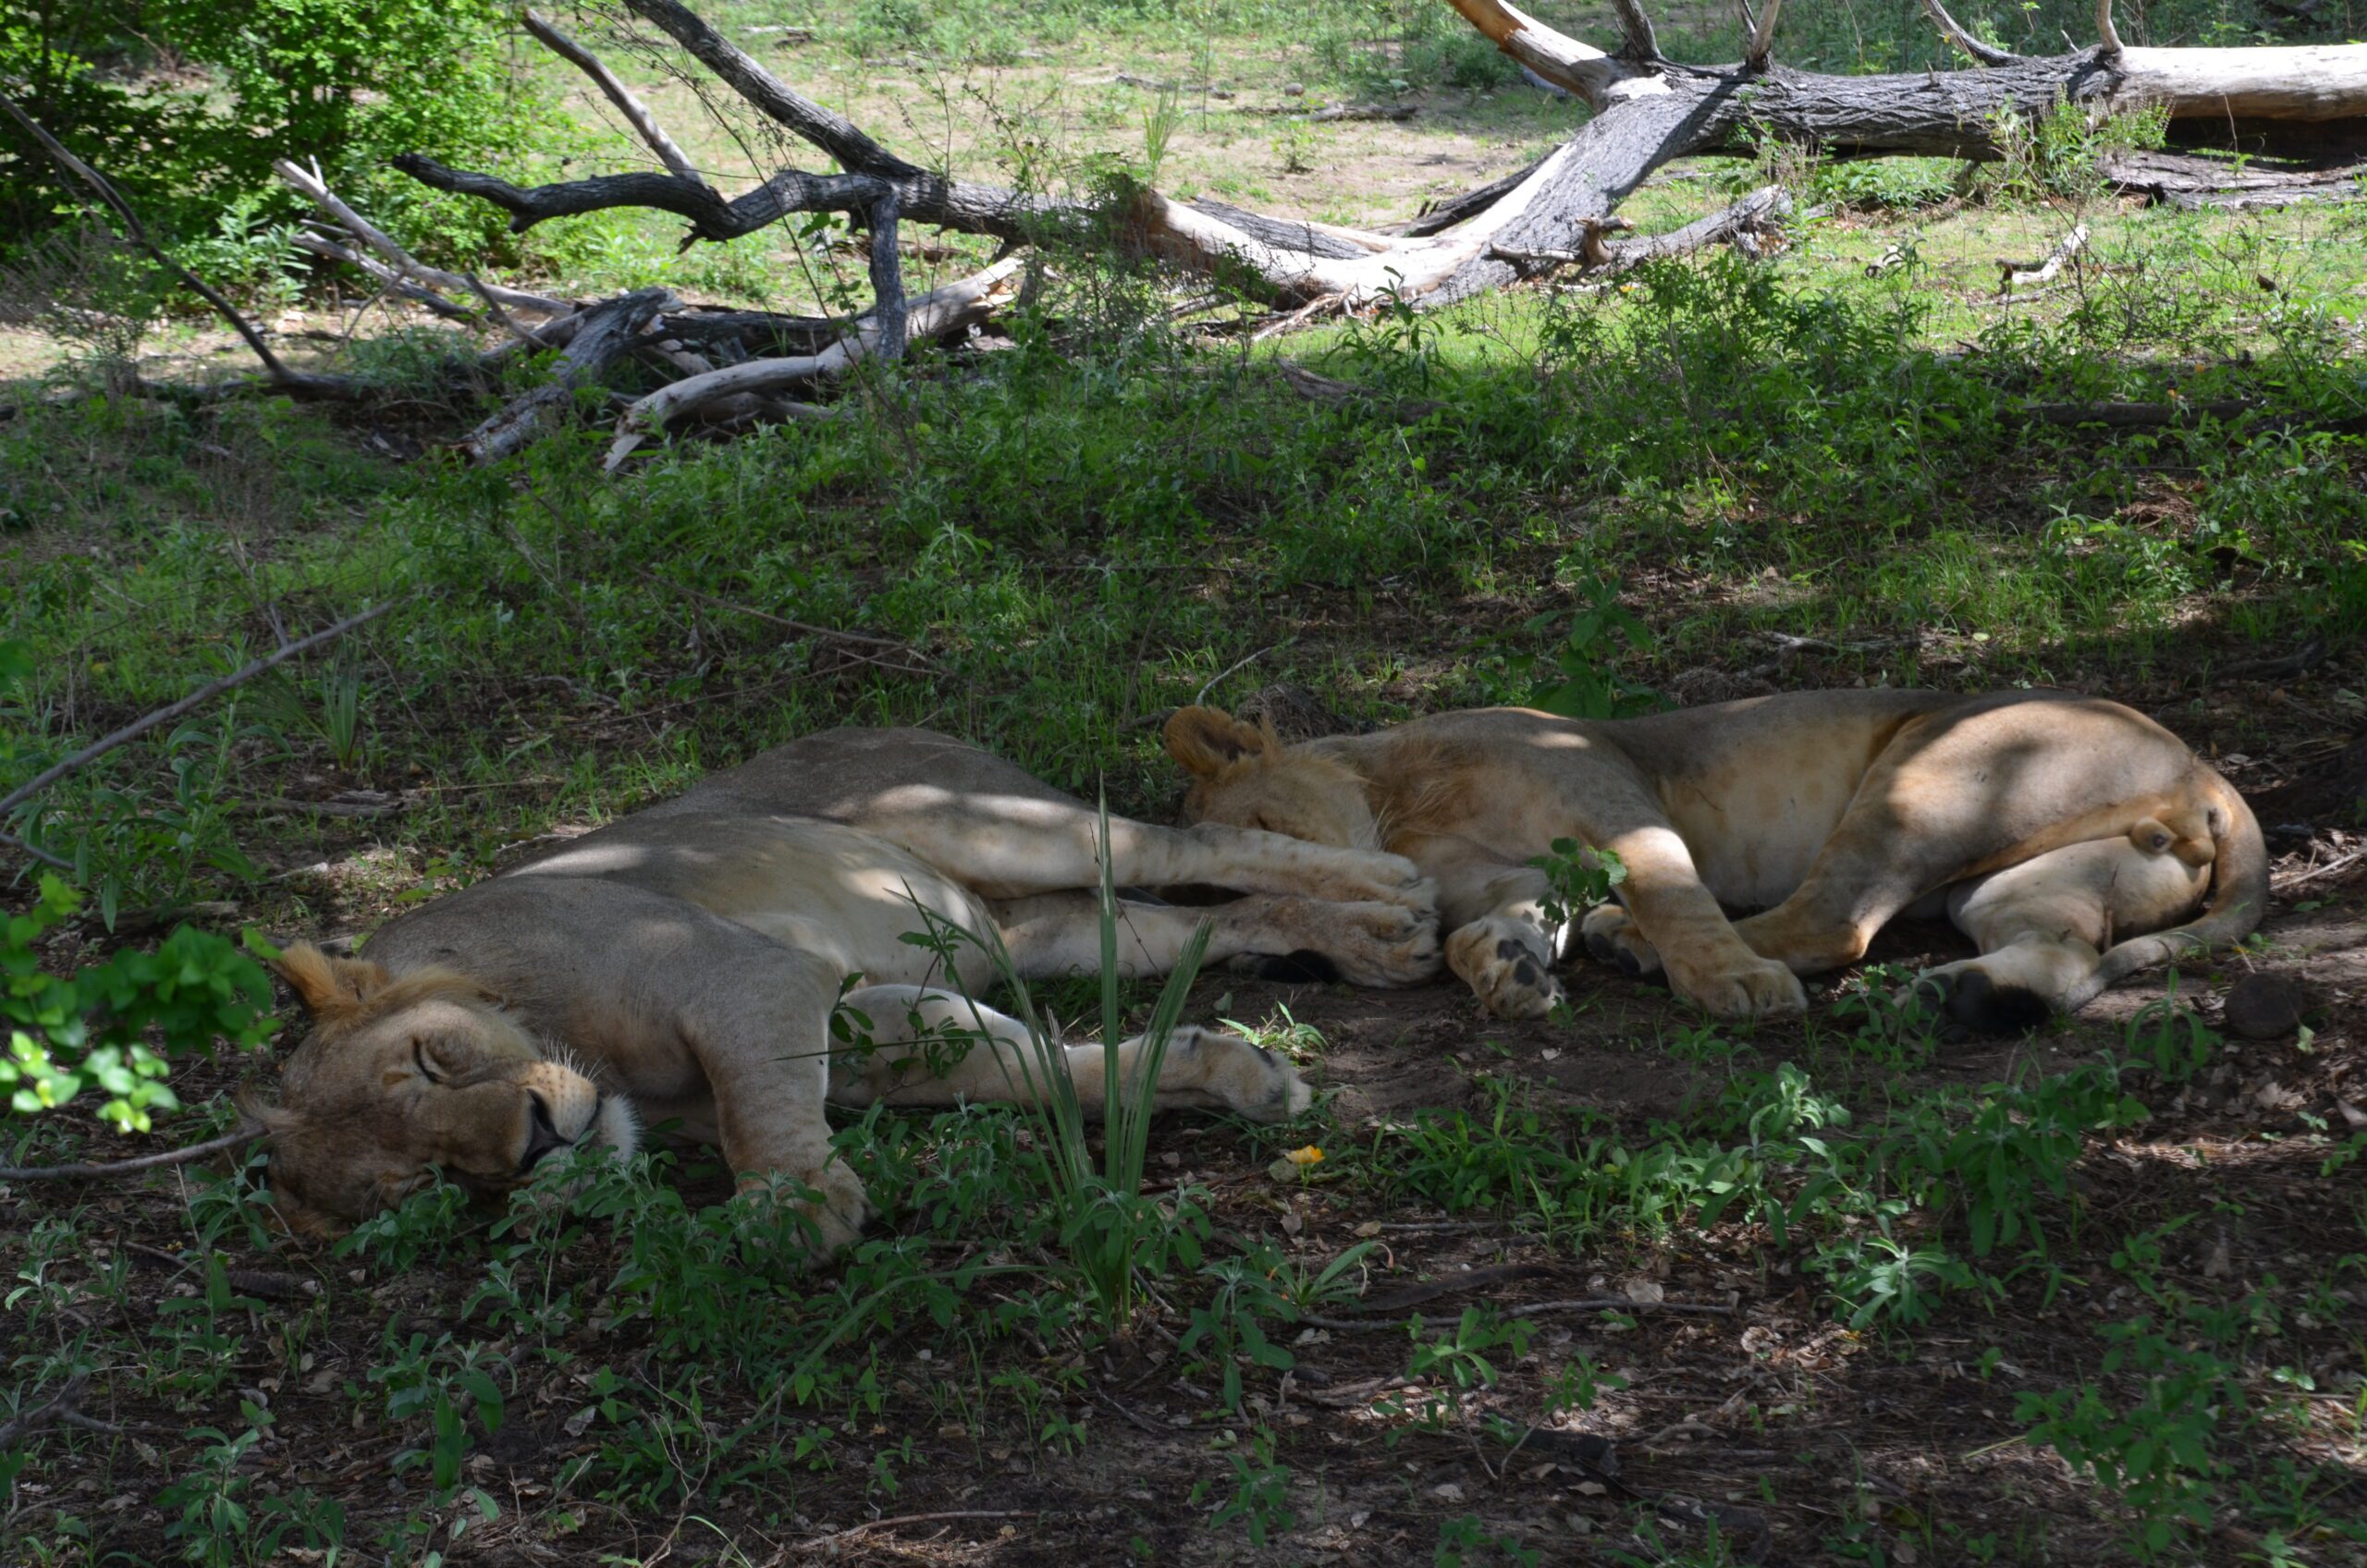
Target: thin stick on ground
[
  {"x": 246, "y": 1132},
  {"x": 63, "y": 1411},
  {"x": 172, "y": 711}
]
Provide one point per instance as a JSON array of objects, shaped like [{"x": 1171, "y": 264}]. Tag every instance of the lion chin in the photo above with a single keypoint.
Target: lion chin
[{"x": 615, "y": 1127}]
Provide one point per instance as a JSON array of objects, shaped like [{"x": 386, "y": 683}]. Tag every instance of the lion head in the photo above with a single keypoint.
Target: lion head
[
  {"x": 1242, "y": 776},
  {"x": 403, "y": 1077}
]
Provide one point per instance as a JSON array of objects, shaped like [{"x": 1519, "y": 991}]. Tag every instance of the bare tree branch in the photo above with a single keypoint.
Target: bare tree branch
[
  {"x": 1636, "y": 30},
  {"x": 137, "y": 232},
  {"x": 2108, "y": 36},
  {"x": 313, "y": 187},
  {"x": 171, "y": 711},
  {"x": 636, "y": 112},
  {"x": 606, "y": 330},
  {"x": 389, "y": 278},
  {"x": 66, "y": 1409},
  {"x": 10, "y": 841},
  {"x": 2030, "y": 274},
  {"x": 1762, "y": 37},
  {"x": 924, "y": 195},
  {"x": 1950, "y": 29},
  {"x": 941, "y": 311}
]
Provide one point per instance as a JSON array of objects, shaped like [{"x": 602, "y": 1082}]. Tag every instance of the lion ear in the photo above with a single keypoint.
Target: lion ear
[
  {"x": 1208, "y": 740},
  {"x": 329, "y": 987}
]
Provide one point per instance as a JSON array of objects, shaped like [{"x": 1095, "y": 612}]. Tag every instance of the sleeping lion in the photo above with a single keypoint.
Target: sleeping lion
[
  {"x": 2067, "y": 836},
  {"x": 684, "y": 963}
]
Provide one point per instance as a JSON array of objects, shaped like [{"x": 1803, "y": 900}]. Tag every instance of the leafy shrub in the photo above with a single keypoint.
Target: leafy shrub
[
  {"x": 340, "y": 82},
  {"x": 66, "y": 1033}
]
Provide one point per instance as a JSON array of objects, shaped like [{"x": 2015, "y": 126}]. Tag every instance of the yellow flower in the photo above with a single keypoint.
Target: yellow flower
[{"x": 1307, "y": 1155}]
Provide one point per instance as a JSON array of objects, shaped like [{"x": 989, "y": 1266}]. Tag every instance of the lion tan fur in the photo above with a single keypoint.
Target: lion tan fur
[
  {"x": 2067, "y": 830},
  {"x": 682, "y": 964}
]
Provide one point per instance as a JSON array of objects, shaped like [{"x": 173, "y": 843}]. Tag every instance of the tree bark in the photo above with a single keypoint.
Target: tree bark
[
  {"x": 1646, "y": 111},
  {"x": 602, "y": 333}
]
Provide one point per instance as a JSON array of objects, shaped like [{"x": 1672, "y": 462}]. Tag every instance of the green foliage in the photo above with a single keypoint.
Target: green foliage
[
  {"x": 1466, "y": 1542},
  {"x": 1573, "y": 678},
  {"x": 1115, "y": 1234},
  {"x": 1262, "y": 1490},
  {"x": 152, "y": 838},
  {"x": 88, "y": 1029},
  {"x": 346, "y": 83},
  {"x": 1579, "y": 876}
]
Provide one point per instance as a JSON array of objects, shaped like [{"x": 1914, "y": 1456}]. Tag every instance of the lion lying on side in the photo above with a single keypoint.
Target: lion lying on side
[
  {"x": 2048, "y": 827},
  {"x": 682, "y": 963}
]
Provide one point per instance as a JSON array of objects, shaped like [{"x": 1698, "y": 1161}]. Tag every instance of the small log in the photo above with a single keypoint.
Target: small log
[
  {"x": 2140, "y": 416},
  {"x": 606, "y": 330},
  {"x": 2031, "y": 275}
]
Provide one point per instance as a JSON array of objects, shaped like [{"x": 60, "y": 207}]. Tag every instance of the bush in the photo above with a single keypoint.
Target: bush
[{"x": 184, "y": 103}]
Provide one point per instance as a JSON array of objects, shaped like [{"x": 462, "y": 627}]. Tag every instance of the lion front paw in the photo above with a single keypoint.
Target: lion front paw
[
  {"x": 1612, "y": 937},
  {"x": 1504, "y": 962},
  {"x": 1367, "y": 877},
  {"x": 1751, "y": 989},
  {"x": 1382, "y": 945},
  {"x": 835, "y": 1211}
]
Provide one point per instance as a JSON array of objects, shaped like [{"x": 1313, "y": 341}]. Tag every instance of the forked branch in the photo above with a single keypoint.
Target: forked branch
[
  {"x": 1950, "y": 29},
  {"x": 1636, "y": 40},
  {"x": 1762, "y": 37}
]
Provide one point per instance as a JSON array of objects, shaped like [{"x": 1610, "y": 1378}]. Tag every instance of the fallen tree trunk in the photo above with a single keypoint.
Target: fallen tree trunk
[{"x": 1646, "y": 111}]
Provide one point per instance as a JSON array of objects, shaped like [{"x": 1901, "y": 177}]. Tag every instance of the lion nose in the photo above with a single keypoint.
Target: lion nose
[{"x": 542, "y": 1134}]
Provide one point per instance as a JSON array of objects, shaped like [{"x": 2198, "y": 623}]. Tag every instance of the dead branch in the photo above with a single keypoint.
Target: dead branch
[
  {"x": 2108, "y": 36},
  {"x": 64, "y": 1411},
  {"x": 802, "y": 627},
  {"x": 172, "y": 711},
  {"x": 636, "y": 112},
  {"x": 1762, "y": 210},
  {"x": 1638, "y": 42},
  {"x": 10, "y": 841},
  {"x": 386, "y": 277},
  {"x": 606, "y": 330},
  {"x": 1646, "y": 111},
  {"x": 246, "y": 1132},
  {"x": 939, "y": 312},
  {"x": 1950, "y": 29},
  {"x": 1762, "y": 37},
  {"x": 2030, "y": 274},
  {"x": 309, "y": 184},
  {"x": 136, "y": 233}
]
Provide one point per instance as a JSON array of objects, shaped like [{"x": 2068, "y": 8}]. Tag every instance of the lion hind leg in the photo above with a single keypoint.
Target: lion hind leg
[
  {"x": 1612, "y": 937},
  {"x": 2041, "y": 927},
  {"x": 933, "y": 1048}
]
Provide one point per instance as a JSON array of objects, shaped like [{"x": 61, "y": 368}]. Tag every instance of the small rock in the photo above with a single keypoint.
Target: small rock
[
  {"x": 2264, "y": 1007},
  {"x": 1292, "y": 88}
]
